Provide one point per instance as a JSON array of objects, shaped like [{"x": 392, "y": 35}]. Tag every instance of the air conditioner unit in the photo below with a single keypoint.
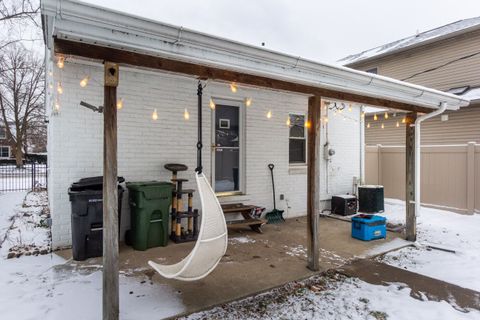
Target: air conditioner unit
[
  {"x": 344, "y": 205},
  {"x": 371, "y": 199}
]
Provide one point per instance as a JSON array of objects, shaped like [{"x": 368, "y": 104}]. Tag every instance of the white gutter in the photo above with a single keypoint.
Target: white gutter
[{"x": 441, "y": 109}]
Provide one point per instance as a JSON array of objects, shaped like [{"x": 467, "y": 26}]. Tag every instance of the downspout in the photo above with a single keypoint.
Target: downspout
[{"x": 440, "y": 110}]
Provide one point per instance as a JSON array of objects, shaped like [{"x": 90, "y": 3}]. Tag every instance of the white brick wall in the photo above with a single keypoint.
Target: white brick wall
[{"x": 144, "y": 145}]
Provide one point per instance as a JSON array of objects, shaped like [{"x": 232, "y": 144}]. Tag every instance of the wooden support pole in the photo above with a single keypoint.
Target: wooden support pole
[
  {"x": 411, "y": 219},
  {"x": 110, "y": 195},
  {"x": 313, "y": 182}
]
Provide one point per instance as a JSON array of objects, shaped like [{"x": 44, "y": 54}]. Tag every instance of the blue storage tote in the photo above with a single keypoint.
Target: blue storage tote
[{"x": 368, "y": 227}]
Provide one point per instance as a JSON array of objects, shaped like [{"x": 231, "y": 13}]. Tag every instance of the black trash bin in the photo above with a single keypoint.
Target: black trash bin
[{"x": 86, "y": 197}]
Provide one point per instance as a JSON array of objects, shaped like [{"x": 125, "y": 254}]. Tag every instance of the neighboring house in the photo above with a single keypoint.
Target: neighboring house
[
  {"x": 446, "y": 58},
  {"x": 4, "y": 146},
  {"x": 245, "y": 127}
]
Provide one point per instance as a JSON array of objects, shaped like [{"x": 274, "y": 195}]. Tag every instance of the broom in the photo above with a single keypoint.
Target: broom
[{"x": 274, "y": 216}]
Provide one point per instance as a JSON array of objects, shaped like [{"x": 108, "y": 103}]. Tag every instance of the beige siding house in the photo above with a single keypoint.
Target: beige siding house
[{"x": 446, "y": 58}]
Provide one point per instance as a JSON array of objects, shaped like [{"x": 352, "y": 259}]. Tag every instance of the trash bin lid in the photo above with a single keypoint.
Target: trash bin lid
[
  {"x": 91, "y": 183},
  {"x": 140, "y": 186}
]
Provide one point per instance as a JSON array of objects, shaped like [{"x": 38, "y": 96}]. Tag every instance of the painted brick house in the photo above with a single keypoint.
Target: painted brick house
[{"x": 261, "y": 125}]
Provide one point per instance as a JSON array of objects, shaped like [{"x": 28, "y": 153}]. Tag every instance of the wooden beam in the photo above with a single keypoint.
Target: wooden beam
[
  {"x": 66, "y": 47},
  {"x": 110, "y": 195},
  {"x": 313, "y": 181},
  {"x": 411, "y": 219}
]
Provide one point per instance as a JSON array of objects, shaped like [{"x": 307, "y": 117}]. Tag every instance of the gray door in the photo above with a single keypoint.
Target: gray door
[{"x": 226, "y": 149}]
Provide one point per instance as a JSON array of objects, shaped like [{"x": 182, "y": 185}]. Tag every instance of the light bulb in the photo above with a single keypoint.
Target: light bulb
[
  {"x": 61, "y": 62},
  {"x": 308, "y": 124},
  {"x": 349, "y": 108},
  {"x": 233, "y": 87},
  {"x": 383, "y": 126},
  {"x": 363, "y": 114},
  {"x": 59, "y": 88},
  {"x": 289, "y": 122},
  {"x": 248, "y": 102},
  {"x": 120, "y": 103},
  {"x": 84, "y": 82},
  {"x": 325, "y": 119},
  {"x": 186, "y": 115},
  {"x": 57, "y": 106},
  {"x": 404, "y": 119},
  {"x": 368, "y": 125},
  {"x": 50, "y": 73},
  {"x": 375, "y": 117},
  {"x": 155, "y": 114},
  {"x": 269, "y": 114},
  {"x": 212, "y": 104},
  {"x": 386, "y": 115},
  {"x": 398, "y": 124}
]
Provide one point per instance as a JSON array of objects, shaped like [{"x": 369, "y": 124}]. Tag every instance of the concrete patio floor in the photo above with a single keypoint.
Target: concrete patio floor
[{"x": 253, "y": 263}]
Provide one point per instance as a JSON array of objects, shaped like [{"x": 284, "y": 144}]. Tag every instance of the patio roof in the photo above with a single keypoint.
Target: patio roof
[{"x": 93, "y": 27}]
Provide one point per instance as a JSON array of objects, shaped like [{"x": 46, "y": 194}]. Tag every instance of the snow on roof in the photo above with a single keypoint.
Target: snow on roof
[
  {"x": 472, "y": 94},
  {"x": 448, "y": 30}
]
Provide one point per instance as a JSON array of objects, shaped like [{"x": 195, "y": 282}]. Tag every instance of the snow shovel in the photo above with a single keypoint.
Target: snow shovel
[{"x": 274, "y": 216}]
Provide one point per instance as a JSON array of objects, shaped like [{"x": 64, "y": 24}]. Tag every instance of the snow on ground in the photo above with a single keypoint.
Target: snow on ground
[
  {"x": 24, "y": 228},
  {"x": 447, "y": 230},
  {"x": 240, "y": 240},
  {"x": 336, "y": 297},
  {"x": 49, "y": 287}
]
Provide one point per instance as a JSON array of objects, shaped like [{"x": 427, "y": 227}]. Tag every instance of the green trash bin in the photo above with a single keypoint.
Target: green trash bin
[{"x": 149, "y": 210}]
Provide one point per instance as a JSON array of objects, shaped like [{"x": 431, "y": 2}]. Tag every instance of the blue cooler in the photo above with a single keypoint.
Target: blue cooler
[{"x": 368, "y": 227}]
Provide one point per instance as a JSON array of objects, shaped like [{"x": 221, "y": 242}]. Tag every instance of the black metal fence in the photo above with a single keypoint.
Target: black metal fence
[{"x": 29, "y": 177}]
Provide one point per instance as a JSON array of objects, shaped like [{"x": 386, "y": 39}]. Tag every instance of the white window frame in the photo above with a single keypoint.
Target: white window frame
[
  {"x": 9, "y": 153},
  {"x": 304, "y": 115}
]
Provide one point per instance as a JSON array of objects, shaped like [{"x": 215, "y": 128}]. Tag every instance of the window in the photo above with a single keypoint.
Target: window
[
  {"x": 297, "y": 140},
  {"x": 4, "y": 152},
  {"x": 3, "y": 133},
  {"x": 373, "y": 70}
]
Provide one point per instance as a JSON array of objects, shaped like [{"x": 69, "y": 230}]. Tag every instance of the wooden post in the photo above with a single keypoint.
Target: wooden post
[
  {"x": 411, "y": 219},
  {"x": 313, "y": 182},
  {"x": 110, "y": 195}
]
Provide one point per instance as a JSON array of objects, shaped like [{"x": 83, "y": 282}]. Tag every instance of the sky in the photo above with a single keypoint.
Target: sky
[{"x": 324, "y": 31}]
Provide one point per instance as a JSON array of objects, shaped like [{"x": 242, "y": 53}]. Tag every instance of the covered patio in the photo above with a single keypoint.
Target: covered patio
[
  {"x": 254, "y": 262},
  {"x": 119, "y": 40}
]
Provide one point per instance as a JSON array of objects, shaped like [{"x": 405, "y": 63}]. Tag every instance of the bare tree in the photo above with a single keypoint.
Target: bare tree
[
  {"x": 19, "y": 9},
  {"x": 21, "y": 96}
]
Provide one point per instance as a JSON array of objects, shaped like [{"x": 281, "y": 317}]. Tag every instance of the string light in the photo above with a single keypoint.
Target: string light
[
  {"x": 398, "y": 124},
  {"x": 61, "y": 62},
  {"x": 308, "y": 124},
  {"x": 269, "y": 114},
  {"x": 84, "y": 82},
  {"x": 325, "y": 119},
  {"x": 289, "y": 122},
  {"x": 363, "y": 114},
  {"x": 50, "y": 85},
  {"x": 386, "y": 115},
  {"x": 383, "y": 126},
  {"x": 350, "y": 107},
  {"x": 59, "y": 88},
  {"x": 186, "y": 114},
  {"x": 155, "y": 114},
  {"x": 233, "y": 87},
  {"x": 50, "y": 73},
  {"x": 212, "y": 104},
  {"x": 404, "y": 120},
  {"x": 120, "y": 103},
  {"x": 375, "y": 118},
  {"x": 57, "y": 106},
  {"x": 368, "y": 125},
  {"x": 248, "y": 102}
]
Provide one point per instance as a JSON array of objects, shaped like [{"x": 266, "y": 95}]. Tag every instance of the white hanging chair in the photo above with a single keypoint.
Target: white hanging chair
[{"x": 211, "y": 243}]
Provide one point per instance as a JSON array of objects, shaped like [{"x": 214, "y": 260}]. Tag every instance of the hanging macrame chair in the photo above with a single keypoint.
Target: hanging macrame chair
[{"x": 212, "y": 238}]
